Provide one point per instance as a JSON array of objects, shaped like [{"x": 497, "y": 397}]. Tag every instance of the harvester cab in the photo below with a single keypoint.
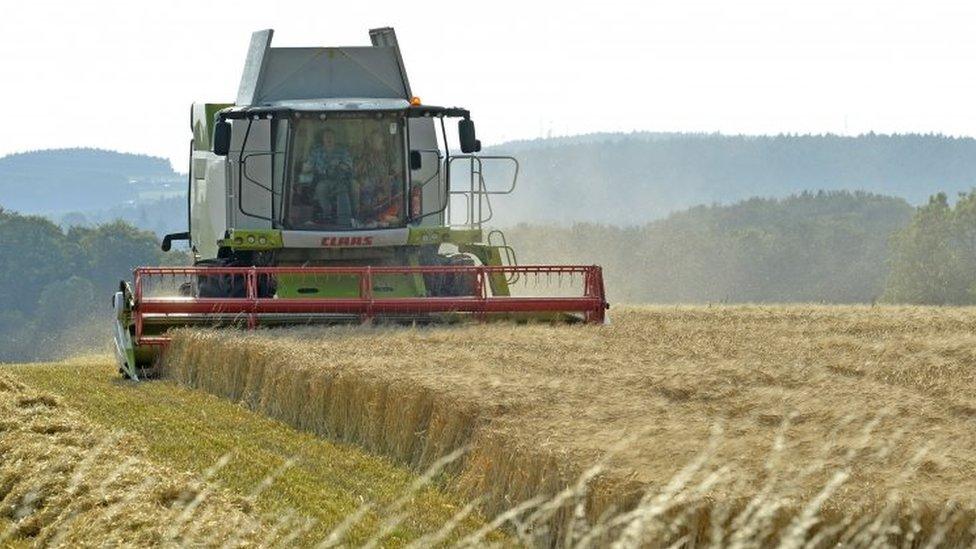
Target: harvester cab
[{"x": 329, "y": 193}]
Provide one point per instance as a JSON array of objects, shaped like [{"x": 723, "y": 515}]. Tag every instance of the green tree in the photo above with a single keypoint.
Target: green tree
[
  {"x": 111, "y": 251},
  {"x": 33, "y": 253},
  {"x": 15, "y": 336},
  {"x": 53, "y": 285},
  {"x": 66, "y": 303},
  {"x": 828, "y": 246},
  {"x": 934, "y": 257}
]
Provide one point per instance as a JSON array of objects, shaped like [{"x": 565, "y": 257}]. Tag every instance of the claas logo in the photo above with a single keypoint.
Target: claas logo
[{"x": 340, "y": 241}]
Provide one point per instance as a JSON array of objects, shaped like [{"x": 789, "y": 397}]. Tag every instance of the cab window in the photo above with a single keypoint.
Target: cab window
[{"x": 346, "y": 173}]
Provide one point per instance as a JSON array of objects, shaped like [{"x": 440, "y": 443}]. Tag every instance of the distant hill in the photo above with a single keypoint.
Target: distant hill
[
  {"x": 618, "y": 178},
  {"x": 159, "y": 215},
  {"x": 632, "y": 178},
  {"x": 62, "y": 180}
]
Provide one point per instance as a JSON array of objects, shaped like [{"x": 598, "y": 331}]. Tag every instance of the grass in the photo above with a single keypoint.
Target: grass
[
  {"x": 67, "y": 482},
  {"x": 191, "y": 431},
  {"x": 14, "y": 540},
  {"x": 837, "y": 423}
]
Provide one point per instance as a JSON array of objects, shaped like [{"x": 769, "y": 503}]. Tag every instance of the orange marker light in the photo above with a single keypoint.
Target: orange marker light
[{"x": 414, "y": 101}]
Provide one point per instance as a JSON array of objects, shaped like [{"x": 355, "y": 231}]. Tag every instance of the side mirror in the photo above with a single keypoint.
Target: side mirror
[
  {"x": 168, "y": 239},
  {"x": 416, "y": 160},
  {"x": 221, "y": 138},
  {"x": 466, "y": 135}
]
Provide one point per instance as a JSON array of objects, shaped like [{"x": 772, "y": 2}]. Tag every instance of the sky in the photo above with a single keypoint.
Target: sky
[{"x": 122, "y": 75}]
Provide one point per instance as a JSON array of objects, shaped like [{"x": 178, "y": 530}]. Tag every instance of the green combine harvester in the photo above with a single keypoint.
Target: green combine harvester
[{"x": 328, "y": 193}]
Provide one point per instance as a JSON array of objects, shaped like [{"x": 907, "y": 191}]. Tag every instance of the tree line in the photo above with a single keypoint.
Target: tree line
[
  {"x": 934, "y": 258},
  {"x": 827, "y": 246}
]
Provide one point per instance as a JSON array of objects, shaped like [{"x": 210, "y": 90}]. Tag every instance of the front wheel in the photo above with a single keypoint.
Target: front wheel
[{"x": 453, "y": 284}]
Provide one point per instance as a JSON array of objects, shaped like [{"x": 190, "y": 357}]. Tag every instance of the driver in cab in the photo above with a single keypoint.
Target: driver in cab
[{"x": 328, "y": 169}]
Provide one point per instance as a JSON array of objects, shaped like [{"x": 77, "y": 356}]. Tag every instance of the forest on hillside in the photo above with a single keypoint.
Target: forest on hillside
[
  {"x": 58, "y": 181},
  {"x": 812, "y": 247},
  {"x": 55, "y": 285}
]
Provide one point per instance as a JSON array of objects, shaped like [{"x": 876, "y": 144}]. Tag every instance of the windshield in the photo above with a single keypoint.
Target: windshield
[{"x": 346, "y": 173}]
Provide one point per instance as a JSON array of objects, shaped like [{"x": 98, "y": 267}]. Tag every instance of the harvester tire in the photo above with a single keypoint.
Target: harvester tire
[
  {"x": 453, "y": 285},
  {"x": 222, "y": 285}
]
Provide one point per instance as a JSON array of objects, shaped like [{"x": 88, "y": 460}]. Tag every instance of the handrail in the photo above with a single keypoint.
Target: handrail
[
  {"x": 481, "y": 158},
  {"x": 475, "y": 210}
]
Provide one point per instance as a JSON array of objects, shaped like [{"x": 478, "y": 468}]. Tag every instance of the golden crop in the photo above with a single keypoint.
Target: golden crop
[{"x": 783, "y": 421}]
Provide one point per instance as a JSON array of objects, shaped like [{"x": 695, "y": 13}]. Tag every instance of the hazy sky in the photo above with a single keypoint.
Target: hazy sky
[{"x": 122, "y": 75}]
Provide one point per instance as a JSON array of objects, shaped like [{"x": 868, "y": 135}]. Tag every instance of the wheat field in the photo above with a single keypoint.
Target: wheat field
[
  {"x": 744, "y": 426},
  {"x": 747, "y": 425}
]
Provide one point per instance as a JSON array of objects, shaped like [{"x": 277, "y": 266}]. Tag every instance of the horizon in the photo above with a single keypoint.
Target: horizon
[
  {"x": 555, "y": 138},
  {"x": 645, "y": 175},
  {"x": 752, "y": 68}
]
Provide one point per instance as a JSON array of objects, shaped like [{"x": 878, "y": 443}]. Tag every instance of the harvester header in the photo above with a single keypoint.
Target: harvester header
[{"x": 328, "y": 193}]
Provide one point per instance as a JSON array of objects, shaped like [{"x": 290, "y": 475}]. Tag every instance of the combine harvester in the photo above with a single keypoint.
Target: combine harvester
[{"x": 328, "y": 193}]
